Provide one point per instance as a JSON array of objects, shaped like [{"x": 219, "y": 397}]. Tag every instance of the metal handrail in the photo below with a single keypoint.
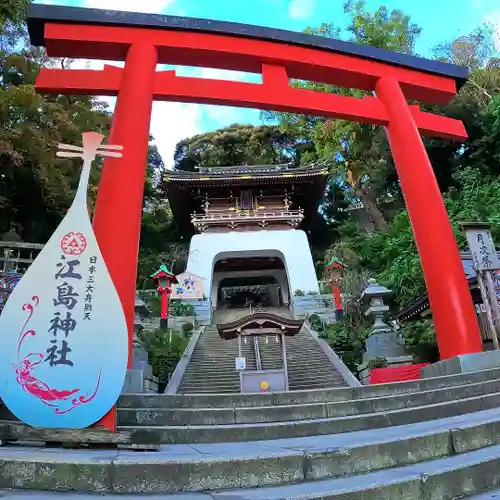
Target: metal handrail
[{"x": 256, "y": 347}]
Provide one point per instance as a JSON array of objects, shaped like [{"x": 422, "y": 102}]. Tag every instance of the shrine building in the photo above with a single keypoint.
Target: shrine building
[{"x": 249, "y": 228}]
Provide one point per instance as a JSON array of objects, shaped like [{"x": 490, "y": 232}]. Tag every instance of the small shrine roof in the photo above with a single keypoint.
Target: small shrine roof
[
  {"x": 260, "y": 323},
  {"x": 164, "y": 272}
]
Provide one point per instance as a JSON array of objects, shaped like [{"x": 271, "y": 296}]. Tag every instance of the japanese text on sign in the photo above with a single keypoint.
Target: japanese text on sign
[
  {"x": 62, "y": 322},
  {"x": 89, "y": 289},
  {"x": 483, "y": 249}
]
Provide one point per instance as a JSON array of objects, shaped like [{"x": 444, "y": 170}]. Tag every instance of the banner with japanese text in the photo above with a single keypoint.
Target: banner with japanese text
[{"x": 63, "y": 333}]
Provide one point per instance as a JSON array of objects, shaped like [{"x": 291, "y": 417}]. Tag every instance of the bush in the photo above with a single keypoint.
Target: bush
[
  {"x": 317, "y": 323},
  {"x": 299, "y": 293},
  {"x": 420, "y": 340},
  {"x": 187, "y": 328},
  {"x": 165, "y": 349},
  {"x": 346, "y": 341},
  {"x": 377, "y": 363},
  {"x": 179, "y": 308}
]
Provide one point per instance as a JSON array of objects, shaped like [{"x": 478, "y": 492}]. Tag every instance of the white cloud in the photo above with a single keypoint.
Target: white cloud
[
  {"x": 147, "y": 6},
  {"x": 172, "y": 122},
  {"x": 301, "y": 9}
]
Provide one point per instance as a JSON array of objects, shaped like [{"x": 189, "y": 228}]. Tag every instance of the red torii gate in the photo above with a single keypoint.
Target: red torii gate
[{"x": 145, "y": 40}]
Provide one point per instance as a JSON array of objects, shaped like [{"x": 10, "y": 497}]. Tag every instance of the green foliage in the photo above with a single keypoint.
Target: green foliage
[
  {"x": 420, "y": 340},
  {"x": 34, "y": 181},
  {"x": 348, "y": 342},
  {"x": 179, "y": 308},
  {"x": 165, "y": 349},
  {"x": 187, "y": 328},
  {"x": 299, "y": 293},
  {"x": 238, "y": 145},
  {"x": 377, "y": 363}
]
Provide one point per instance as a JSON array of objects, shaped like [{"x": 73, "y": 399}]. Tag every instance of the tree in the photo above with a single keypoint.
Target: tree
[
  {"x": 358, "y": 152},
  {"x": 239, "y": 145},
  {"x": 33, "y": 181},
  {"x": 476, "y": 50}
]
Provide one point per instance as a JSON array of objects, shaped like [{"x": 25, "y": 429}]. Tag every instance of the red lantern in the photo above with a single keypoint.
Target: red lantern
[{"x": 164, "y": 279}]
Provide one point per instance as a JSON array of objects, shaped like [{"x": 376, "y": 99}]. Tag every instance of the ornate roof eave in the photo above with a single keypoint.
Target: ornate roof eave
[
  {"x": 267, "y": 323},
  {"x": 289, "y": 175}
]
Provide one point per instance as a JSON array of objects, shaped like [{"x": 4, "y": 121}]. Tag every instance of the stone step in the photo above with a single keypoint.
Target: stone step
[
  {"x": 211, "y": 389},
  {"x": 316, "y": 427},
  {"x": 317, "y": 363},
  {"x": 229, "y": 362},
  {"x": 317, "y": 374},
  {"x": 464, "y": 453},
  {"x": 220, "y": 383},
  {"x": 306, "y": 396},
  {"x": 221, "y": 379},
  {"x": 207, "y": 368},
  {"x": 319, "y": 384},
  {"x": 298, "y": 386},
  {"x": 321, "y": 377},
  {"x": 214, "y": 386},
  {"x": 447, "y": 478},
  {"x": 491, "y": 494},
  {"x": 278, "y": 413}
]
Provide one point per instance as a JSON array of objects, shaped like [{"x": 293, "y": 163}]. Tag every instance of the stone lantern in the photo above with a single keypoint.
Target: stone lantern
[
  {"x": 383, "y": 341},
  {"x": 373, "y": 296}
]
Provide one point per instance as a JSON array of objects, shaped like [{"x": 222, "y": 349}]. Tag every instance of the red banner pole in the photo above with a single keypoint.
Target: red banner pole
[
  {"x": 455, "y": 321},
  {"x": 118, "y": 209},
  {"x": 336, "y": 296}
]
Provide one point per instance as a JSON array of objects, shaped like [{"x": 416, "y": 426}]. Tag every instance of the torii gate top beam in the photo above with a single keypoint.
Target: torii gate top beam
[{"x": 241, "y": 47}]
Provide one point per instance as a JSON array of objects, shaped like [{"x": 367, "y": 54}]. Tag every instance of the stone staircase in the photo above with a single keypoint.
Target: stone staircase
[
  {"x": 308, "y": 366},
  {"x": 271, "y": 355},
  {"x": 211, "y": 368},
  {"x": 432, "y": 439}
]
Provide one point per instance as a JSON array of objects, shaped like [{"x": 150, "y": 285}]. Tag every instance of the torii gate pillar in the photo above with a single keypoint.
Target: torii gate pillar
[
  {"x": 118, "y": 209},
  {"x": 449, "y": 297}
]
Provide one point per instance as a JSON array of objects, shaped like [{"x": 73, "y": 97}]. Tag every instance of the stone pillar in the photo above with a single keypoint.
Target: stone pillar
[{"x": 139, "y": 377}]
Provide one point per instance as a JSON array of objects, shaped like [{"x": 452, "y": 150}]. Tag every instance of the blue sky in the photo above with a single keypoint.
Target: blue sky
[{"x": 440, "y": 20}]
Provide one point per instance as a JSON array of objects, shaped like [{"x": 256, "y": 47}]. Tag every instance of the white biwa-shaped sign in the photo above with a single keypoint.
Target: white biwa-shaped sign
[{"x": 63, "y": 333}]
